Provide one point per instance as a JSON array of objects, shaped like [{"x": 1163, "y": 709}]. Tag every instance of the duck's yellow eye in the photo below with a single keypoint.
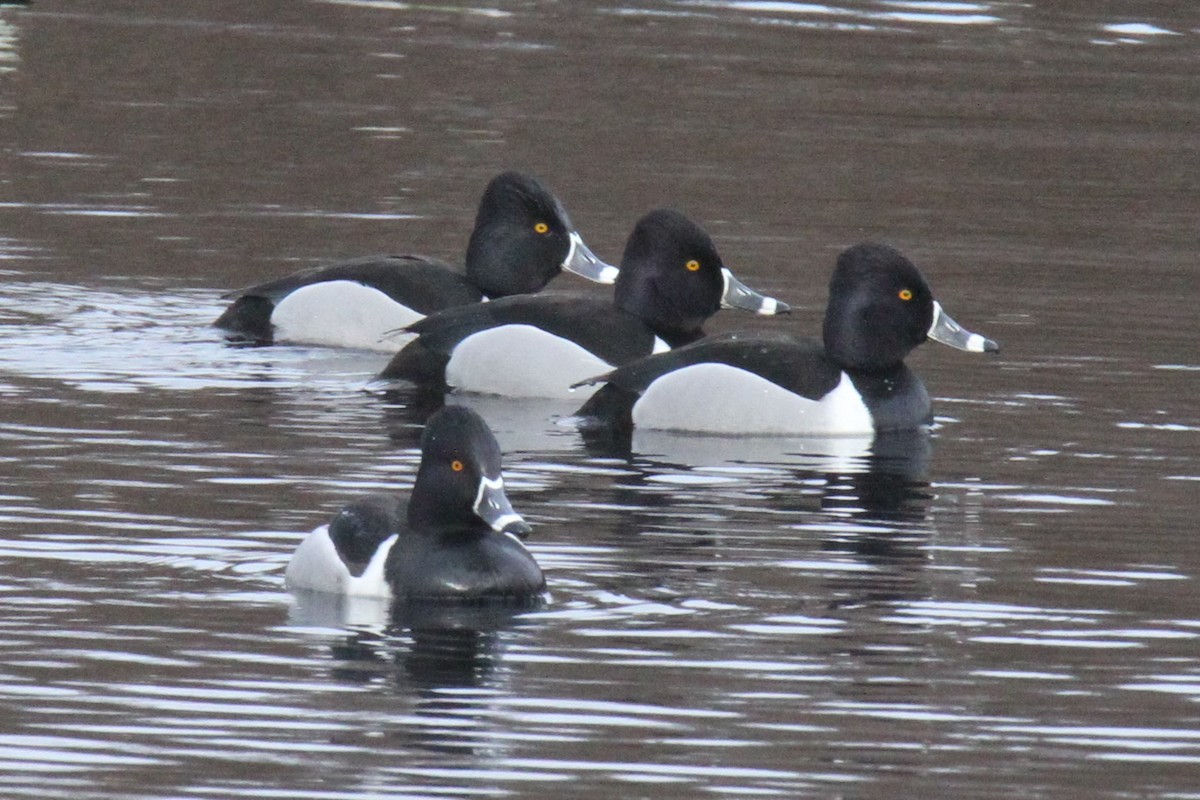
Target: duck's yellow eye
[
  {"x": 456, "y": 465},
  {"x": 905, "y": 295},
  {"x": 693, "y": 265},
  {"x": 541, "y": 227}
]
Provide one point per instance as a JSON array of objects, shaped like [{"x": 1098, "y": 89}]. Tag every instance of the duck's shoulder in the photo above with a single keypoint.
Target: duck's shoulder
[
  {"x": 897, "y": 397},
  {"x": 796, "y": 364},
  {"x": 348, "y": 555},
  {"x": 528, "y": 308},
  {"x": 591, "y": 322},
  {"x": 422, "y": 283},
  {"x": 363, "y": 525}
]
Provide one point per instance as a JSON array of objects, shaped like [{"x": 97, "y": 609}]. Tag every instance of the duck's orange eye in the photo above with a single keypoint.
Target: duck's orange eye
[
  {"x": 693, "y": 265},
  {"x": 541, "y": 227},
  {"x": 905, "y": 295},
  {"x": 456, "y": 465}
]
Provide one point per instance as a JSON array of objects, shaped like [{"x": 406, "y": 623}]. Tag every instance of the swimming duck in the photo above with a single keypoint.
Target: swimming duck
[
  {"x": 671, "y": 280},
  {"x": 522, "y": 239},
  {"x": 455, "y": 537},
  {"x": 854, "y": 382}
]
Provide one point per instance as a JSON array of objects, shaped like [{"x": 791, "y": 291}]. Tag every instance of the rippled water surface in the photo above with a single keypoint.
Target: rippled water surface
[{"x": 1004, "y": 608}]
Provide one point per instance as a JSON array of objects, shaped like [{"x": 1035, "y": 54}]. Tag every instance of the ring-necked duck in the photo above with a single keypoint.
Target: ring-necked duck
[
  {"x": 522, "y": 239},
  {"x": 854, "y": 382},
  {"x": 671, "y": 280},
  {"x": 453, "y": 538}
]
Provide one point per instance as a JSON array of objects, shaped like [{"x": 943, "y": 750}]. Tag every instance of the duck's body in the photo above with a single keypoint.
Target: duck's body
[
  {"x": 522, "y": 239},
  {"x": 854, "y": 382},
  {"x": 671, "y": 280},
  {"x": 350, "y": 304},
  {"x": 454, "y": 538},
  {"x": 516, "y": 347}
]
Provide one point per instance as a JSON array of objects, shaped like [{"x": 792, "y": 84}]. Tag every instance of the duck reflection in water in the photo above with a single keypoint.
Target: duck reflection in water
[
  {"x": 884, "y": 477},
  {"x": 417, "y": 651},
  {"x": 885, "y": 508},
  {"x": 415, "y": 645},
  {"x": 867, "y": 499}
]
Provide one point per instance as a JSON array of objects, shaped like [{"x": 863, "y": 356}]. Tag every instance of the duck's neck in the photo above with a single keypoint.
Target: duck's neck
[
  {"x": 498, "y": 266},
  {"x": 677, "y": 337},
  {"x": 427, "y": 511},
  {"x": 862, "y": 341},
  {"x": 674, "y": 319}
]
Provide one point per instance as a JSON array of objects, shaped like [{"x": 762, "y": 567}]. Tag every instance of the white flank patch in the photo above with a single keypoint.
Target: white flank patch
[
  {"x": 718, "y": 398},
  {"x": 522, "y": 361},
  {"x": 316, "y": 565},
  {"x": 341, "y": 314}
]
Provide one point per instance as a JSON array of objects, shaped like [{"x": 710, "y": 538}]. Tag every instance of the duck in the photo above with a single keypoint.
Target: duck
[
  {"x": 522, "y": 239},
  {"x": 852, "y": 382},
  {"x": 454, "y": 538},
  {"x": 670, "y": 281}
]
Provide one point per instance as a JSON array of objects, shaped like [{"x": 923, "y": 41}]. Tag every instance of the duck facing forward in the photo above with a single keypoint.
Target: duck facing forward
[
  {"x": 671, "y": 280},
  {"x": 454, "y": 538},
  {"x": 854, "y": 382},
  {"x": 522, "y": 239}
]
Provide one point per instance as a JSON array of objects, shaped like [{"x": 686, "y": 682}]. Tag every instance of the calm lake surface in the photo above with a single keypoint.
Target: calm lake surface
[{"x": 1005, "y": 608}]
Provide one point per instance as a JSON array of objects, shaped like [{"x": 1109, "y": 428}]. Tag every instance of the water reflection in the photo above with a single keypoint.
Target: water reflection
[
  {"x": 954, "y": 18},
  {"x": 1011, "y": 614},
  {"x": 125, "y": 340},
  {"x": 1131, "y": 33},
  {"x": 10, "y": 59},
  {"x": 397, "y": 5},
  {"x": 446, "y": 660},
  {"x": 431, "y": 645},
  {"x": 864, "y": 17},
  {"x": 452, "y": 649}
]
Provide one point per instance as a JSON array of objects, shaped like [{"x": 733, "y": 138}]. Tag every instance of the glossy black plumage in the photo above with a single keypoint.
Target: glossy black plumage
[
  {"x": 521, "y": 240},
  {"x": 453, "y": 538},
  {"x": 672, "y": 279},
  {"x": 879, "y": 309}
]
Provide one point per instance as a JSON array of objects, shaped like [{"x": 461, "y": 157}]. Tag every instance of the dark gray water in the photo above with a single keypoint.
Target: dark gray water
[{"x": 1006, "y": 609}]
